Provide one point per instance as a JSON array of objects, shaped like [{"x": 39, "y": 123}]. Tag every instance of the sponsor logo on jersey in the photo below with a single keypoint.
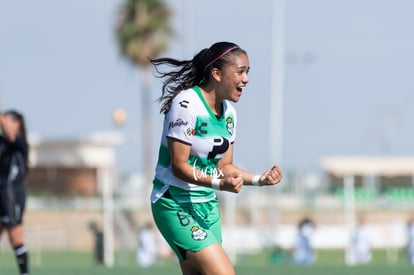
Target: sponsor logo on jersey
[
  {"x": 201, "y": 130},
  {"x": 221, "y": 145},
  {"x": 179, "y": 122},
  {"x": 230, "y": 125},
  {"x": 198, "y": 233}
]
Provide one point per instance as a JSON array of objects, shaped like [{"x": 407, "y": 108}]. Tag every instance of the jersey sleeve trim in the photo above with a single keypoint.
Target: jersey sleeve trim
[{"x": 179, "y": 140}]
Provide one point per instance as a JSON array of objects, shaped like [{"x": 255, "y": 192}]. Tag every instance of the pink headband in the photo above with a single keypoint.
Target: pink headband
[{"x": 220, "y": 56}]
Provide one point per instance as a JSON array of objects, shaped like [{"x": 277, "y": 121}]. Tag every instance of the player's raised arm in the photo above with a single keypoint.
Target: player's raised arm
[{"x": 270, "y": 177}]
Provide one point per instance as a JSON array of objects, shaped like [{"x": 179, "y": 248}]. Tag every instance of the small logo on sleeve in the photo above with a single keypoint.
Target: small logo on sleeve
[
  {"x": 178, "y": 123},
  {"x": 190, "y": 131},
  {"x": 184, "y": 103}
]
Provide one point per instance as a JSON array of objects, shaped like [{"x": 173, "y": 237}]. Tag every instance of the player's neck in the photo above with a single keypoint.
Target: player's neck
[{"x": 213, "y": 102}]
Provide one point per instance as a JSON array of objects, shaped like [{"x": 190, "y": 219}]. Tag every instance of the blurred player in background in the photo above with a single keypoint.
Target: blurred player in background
[
  {"x": 196, "y": 154},
  {"x": 303, "y": 253},
  {"x": 361, "y": 242},
  {"x": 147, "y": 253},
  {"x": 99, "y": 242},
  {"x": 410, "y": 240},
  {"x": 14, "y": 151}
]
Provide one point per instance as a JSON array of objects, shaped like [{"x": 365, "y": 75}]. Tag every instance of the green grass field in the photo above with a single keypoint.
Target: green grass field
[{"x": 81, "y": 263}]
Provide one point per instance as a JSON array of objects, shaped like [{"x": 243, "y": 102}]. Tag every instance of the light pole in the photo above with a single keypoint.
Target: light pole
[
  {"x": 108, "y": 177},
  {"x": 277, "y": 82},
  {"x": 276, "y": 97}
]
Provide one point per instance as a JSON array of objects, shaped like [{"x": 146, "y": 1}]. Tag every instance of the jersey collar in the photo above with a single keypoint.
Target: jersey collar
[{"x": 200, "y": 95}]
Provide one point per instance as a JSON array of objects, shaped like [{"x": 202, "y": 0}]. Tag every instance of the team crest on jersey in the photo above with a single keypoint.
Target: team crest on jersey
[
  {"x": 230, "y": 125},
  {"x": 198, "y": 234}
]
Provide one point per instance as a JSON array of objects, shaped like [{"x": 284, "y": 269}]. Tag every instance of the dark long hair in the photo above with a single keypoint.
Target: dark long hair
[
  {"x": 189, "y": 73},
  {"x": 22, "y": 131},
  {"x": 20, "y": 118}
]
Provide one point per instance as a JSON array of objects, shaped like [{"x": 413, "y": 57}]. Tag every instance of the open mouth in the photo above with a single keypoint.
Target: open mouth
[{"x": 240, "y": 89}]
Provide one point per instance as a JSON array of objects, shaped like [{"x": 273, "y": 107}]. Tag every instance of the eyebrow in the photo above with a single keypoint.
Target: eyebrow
[{"x": 243, "y": 67}]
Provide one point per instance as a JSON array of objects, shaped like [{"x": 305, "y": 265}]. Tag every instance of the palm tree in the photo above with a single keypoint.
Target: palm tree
[{"x": 142, "y": 31}]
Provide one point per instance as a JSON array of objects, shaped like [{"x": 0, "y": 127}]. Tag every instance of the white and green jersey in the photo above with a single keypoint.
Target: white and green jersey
[{"x": 191, "y": 121}]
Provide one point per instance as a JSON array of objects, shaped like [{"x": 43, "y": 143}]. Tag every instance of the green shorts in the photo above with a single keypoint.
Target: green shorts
[{"x": 188, "y": 226}]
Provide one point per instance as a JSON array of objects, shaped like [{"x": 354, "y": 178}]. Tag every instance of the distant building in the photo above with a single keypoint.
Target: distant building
[
  {"x": 71, "y": 167},
  {"x": 391, "y": 178}
]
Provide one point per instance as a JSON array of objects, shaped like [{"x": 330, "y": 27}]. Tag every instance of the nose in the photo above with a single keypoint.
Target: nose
[{"x": 245, "y": 79}]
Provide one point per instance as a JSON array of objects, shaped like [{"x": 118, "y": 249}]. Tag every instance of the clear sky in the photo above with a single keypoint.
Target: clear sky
[{"x": 348, "y": 86}]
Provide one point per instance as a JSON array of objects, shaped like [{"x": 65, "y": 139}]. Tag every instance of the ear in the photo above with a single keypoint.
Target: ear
[{"x": 216, "y": 74}]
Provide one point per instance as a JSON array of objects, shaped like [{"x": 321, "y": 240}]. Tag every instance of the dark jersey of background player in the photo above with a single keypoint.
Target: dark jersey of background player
[{"x": 14, "y": 151}]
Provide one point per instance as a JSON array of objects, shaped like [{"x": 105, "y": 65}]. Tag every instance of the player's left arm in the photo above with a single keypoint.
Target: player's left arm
[{"x": 270, "y": 177}]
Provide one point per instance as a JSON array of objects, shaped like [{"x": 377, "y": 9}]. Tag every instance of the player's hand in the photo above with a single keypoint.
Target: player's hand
[
  {"x": 271, "y": 177},
  {"x": 232, "y": 183}
]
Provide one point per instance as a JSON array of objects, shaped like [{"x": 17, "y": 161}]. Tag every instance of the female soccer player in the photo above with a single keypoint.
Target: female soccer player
[
  {"x": 196, "y": 154},
  {"x": 13, "y": 167}
]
